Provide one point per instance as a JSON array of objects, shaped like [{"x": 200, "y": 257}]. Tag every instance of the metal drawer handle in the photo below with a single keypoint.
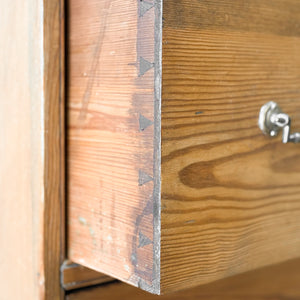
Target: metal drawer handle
[{"x": 272, "y": 120}]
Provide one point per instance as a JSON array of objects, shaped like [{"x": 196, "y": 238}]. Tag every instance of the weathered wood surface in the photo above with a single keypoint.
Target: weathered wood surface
[
  {"x": 230, "y": 195},
  {"x": 74, "y": 276},
  {"x": 30, "y": 150},
  {"x": 111, "y": 138},
  {"x": 278, "y": 282}
]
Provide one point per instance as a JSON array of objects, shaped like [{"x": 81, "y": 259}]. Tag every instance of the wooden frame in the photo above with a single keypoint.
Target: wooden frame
[{"x": 54, "y": 210}]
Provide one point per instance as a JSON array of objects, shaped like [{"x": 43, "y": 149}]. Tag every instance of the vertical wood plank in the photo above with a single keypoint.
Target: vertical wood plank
[
  {"x": 31, "y": 143},
  {"x": 21, "y": 149},
  {"x": 54, "y": 179}
]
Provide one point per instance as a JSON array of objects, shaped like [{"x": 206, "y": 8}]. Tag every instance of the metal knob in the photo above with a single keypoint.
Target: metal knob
[{"x": 272, "y": 120}]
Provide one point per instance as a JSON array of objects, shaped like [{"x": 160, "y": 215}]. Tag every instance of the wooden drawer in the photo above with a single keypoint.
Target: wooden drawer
[
  {"x": 273, "y": 282},
  {"x": 171, "y": 183}
]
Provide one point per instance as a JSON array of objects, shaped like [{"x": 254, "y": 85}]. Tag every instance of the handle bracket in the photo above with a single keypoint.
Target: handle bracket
[{"x": 272, "y": 120}]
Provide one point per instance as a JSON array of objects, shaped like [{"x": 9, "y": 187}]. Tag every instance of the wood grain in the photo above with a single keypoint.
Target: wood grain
[
  {"x": 74, "y": 276},
  {"x": 230, "y": 195},
  {"x": 54, "y": 251},
  {"x": 111, "y": 138},
  {"x": 31, "y": 122},
  {"x": 279, "y": 282}
]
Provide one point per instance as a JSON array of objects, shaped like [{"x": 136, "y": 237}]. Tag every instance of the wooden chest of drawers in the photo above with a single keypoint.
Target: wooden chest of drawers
[{"x": 167, "y": 180}]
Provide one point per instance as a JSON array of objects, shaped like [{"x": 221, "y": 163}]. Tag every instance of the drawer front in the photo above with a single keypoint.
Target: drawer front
[
  {"x": 172, "y": 183},
  {"x": 230, "y": 194}
]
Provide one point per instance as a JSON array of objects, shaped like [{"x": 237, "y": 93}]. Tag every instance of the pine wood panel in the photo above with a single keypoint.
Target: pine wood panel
[
  {"x": 230, "y": 195},
  {"x": 31, "y": 149},
  {"x": 277, "y": 282},
  {"x": 111, "y": 144}
]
